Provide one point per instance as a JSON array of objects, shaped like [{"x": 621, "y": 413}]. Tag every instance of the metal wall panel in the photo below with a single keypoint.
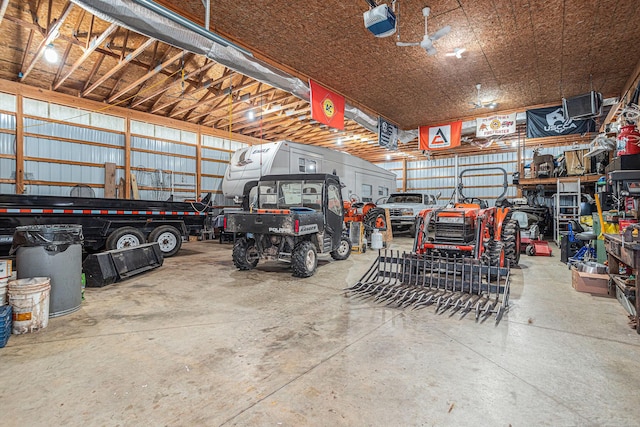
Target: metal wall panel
[
  {"x": 58, "y": 130},
  {"x": 162, "y": 146},
  {"x": 61, "y": 150},
  {"x": 7, "y": 144},
  {"x": 217, "y": 142},
  {"x": 7, "y": 102},
  {"x": 208, "y": 153},
  {"x": 7, "y": 168},
  {"x": 211, "y": 184},
  {"x": 214, "y": 168},
  {"x": 56, "y": 172},
  {"x": 159, "y": 161},
  {"x": 7, "y": 121}
]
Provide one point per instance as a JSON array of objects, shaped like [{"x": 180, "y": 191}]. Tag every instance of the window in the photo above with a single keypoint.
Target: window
[
  {"x": 367, "y": 193},
  {"x": 267, "y": 196},
  {"x": 312, "y": 195},
  {"x": 383, "y": 191},
  {"x": 290, "y": 194},
  {"x": 307, "y": 166},
  {"x": 334, "y": 199}
]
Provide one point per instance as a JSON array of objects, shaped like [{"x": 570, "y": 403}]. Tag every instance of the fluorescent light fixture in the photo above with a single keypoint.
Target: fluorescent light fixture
[
  {"x": 493, "y": 105},
  {"x": 51, "y": 55},
  {"x": 514, "y": 143},
  {"x": 251, "y": 115},
  {"x": 388, "y": 156},
  {"x": 339, "y": 141}
]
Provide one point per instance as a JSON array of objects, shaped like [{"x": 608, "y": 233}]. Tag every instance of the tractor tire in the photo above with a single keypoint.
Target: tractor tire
[
  {"x": 497, "y": 254},
  {"x": 511, "y": 241},
  {"x": 304, "y": 259},
  {"x": 245, "y": 254},
  {"x": 375, "y": 218},
  {"x": 343, "y": 251}
]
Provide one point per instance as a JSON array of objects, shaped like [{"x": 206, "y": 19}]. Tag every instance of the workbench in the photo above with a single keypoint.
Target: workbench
[{"x": 624, "y": 252}]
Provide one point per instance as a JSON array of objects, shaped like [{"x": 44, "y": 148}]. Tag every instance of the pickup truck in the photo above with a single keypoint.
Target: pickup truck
[{"x": 404, "y": 207}]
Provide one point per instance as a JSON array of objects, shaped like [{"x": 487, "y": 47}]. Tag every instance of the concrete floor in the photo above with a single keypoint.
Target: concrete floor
[{"x": 198, "y": 343}]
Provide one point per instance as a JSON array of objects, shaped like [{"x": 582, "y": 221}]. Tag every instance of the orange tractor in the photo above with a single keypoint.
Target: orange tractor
[
  {"x": 471, "y": 229},
  {"x": 366, "y": 213},
  {"x": 459, "y": 264}
]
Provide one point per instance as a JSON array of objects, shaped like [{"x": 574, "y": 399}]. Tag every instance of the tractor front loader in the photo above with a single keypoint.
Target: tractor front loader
[{"x": 461, "y": 259}]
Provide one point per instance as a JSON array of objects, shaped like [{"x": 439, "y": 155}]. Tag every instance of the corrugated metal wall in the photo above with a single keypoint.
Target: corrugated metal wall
[
  {"x": 65, "y": 147},
  {"x": 216, "y": 154},
  {"x": 438, "y": 175},
  {"x": 7, "y": 142}
]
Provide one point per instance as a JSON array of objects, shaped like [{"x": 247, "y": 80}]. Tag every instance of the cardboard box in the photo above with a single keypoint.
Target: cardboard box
[
  {"x": 5, "y": 268},
  {"x": 577, "y": 164},
  {"x": 596, "y": 284}
]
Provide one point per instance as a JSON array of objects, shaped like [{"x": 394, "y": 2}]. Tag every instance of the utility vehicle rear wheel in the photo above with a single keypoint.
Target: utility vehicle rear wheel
[
  {"x": 245, "y": 254},
  {"x": 304, "y": 259},
  {"x": 343, "y": 250}
]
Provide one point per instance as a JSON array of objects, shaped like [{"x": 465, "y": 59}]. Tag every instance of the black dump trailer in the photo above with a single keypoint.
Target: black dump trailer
[{"x": 106, "y": 223}]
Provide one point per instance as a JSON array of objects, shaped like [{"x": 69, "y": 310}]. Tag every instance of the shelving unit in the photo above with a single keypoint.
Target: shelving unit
[{"x": 566, "y": 205}]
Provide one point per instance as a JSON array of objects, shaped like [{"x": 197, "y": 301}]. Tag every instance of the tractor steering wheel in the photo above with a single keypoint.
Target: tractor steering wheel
[{"x": 354, "y": 198}]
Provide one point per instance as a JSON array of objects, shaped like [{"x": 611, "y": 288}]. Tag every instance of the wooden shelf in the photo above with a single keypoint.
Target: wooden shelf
[{"x": 532, "y": 182}]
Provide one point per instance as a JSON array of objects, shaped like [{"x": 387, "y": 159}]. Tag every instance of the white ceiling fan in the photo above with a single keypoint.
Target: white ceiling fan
[
  {"x": 479, "y": 104},
  {"x": 427, "y": 40}
]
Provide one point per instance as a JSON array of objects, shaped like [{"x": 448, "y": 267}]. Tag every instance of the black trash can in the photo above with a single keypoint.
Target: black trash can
[{"x": 53, "y": 251}]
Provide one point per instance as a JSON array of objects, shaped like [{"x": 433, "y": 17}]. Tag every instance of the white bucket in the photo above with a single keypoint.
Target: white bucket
[
  {"x": 29, "y": 299},
  {"x": 3, "y": 291}
]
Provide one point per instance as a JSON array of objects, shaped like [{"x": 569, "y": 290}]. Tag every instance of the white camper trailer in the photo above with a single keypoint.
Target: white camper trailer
[{"x": 361, "y": 178}]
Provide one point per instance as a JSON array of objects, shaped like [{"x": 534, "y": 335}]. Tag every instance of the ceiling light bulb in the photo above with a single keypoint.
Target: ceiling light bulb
[
  {"x": 388, "y": 156},
  {"x": 50, "y": 54},
  {"x": 339, "y": 141},
  {"x": 514, "y": 143},
  {"x": 251, "y": 115},
  {"x": 457, "y": 52}
]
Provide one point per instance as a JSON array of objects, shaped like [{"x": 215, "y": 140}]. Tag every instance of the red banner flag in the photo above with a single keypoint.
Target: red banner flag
[
  {"x": 326, "y": 107},
  {"x": 440, "y": 137}
]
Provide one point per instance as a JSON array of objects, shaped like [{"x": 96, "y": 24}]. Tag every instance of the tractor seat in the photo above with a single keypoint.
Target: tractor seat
[
  {"x": 522, "y": 219},
  {"x": 585, "y": 236}
]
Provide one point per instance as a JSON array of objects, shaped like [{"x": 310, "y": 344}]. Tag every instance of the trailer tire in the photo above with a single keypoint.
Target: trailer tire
[
  {"x": 304, "y": 259},
  {"x": 511, "y": 241},
  {"x": 169, "y": 239},
  {"x": 343, "y": 251},
  {"x": 245, "y": 254},
  {"x": 124, "y": 237}
]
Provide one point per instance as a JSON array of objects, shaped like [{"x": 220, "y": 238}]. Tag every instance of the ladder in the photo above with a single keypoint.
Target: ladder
[{"x": 567, "y": 205}]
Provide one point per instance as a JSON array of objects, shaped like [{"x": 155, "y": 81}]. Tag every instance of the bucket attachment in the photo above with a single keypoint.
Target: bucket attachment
[{"x": 455, "y": 285}]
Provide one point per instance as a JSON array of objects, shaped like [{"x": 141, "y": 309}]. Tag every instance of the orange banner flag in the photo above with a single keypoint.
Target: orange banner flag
[
  {"x": 326, "y": 107},
  {"x": 440, "y": 137}
]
